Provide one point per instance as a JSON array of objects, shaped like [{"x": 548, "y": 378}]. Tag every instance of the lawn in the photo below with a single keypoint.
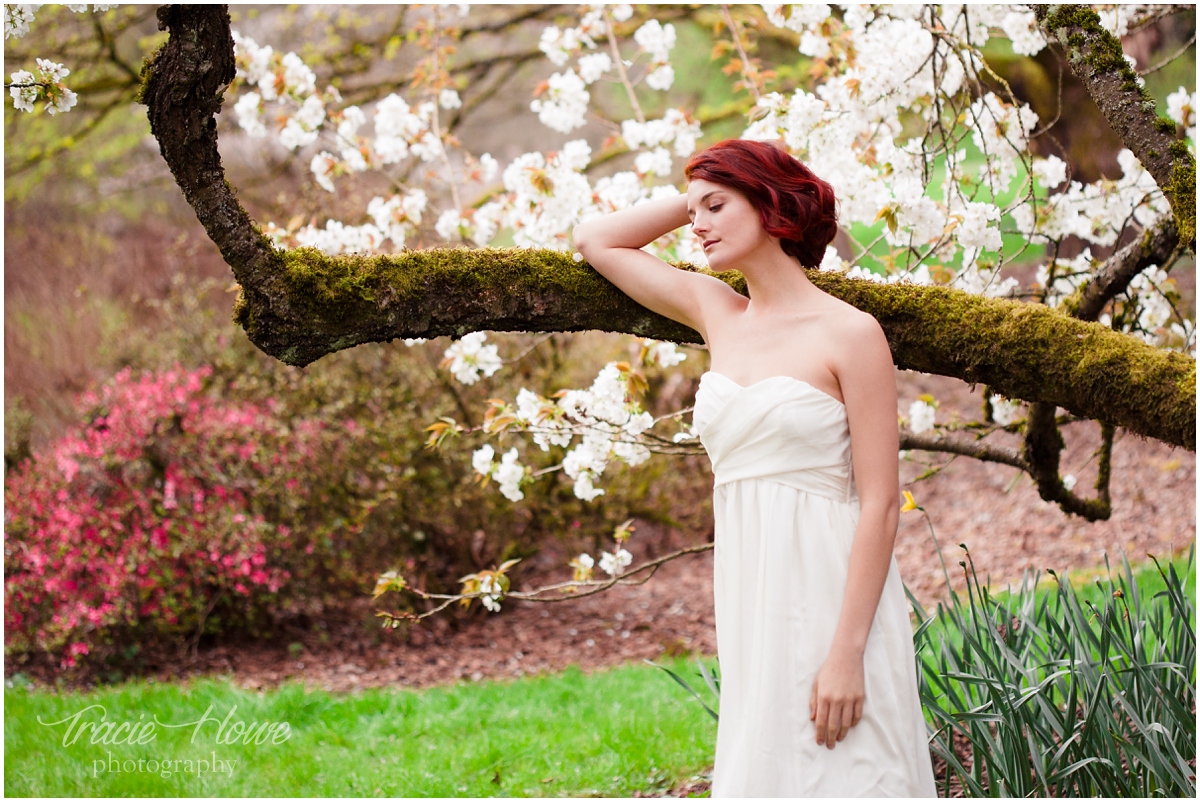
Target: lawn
[{"x": 607, "y": 734}]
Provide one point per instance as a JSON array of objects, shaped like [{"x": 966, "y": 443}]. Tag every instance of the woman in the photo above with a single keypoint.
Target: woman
[{"x": 798, "y": 413}]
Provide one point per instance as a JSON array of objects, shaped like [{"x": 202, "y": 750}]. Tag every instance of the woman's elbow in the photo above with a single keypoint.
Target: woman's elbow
[
  {"x": 581, "y": 236},
  {"x": 881, "y": 502}
]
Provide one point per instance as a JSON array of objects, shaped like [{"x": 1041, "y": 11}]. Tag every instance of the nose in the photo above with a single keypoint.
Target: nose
[{"x": 699, "y": 226}]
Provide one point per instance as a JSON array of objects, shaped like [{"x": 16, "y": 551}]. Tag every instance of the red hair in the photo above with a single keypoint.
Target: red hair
[{"x": 794, "y": 205}]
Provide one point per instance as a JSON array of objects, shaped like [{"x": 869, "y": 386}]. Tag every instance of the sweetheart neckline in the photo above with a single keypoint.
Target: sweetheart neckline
[{"x": 816, "y": 390}]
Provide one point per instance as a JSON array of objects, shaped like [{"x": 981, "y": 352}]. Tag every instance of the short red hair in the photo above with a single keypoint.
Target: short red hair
[{"x": 794, "y": 205}]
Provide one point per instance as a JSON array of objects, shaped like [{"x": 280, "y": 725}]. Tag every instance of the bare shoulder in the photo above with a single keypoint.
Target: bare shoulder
[
  {"x": 857, "y": 336},
  {"x": 717, "y": 301}
]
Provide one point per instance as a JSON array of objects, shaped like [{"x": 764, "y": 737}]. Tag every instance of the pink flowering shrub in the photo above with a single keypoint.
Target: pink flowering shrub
[{"x": 167, "y": 509}]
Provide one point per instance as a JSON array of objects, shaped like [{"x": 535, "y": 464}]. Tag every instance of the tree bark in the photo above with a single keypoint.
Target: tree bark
[
  {"x": 301, "y": 305},
  {"x": 1096, "y": 58},
  {"x": 1154, "y": 248}
]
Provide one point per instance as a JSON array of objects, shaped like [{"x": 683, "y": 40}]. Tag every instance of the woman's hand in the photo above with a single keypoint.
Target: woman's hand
[{"x": 837, "y": 696}]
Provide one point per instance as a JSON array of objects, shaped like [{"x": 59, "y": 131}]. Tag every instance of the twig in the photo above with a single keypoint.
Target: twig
[
  {"x": 1191, "y": 41},
  {"x": 748, "y": 71},
  {"x": 566, "y": 588},
  {"x": 967, "y": 448},
  {"x": 616, "y": 57}
]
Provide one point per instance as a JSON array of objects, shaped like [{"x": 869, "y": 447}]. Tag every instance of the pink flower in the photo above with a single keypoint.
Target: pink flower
[
  {"x": 158, "y": 538},
  {"x": 68, "y": 466}
]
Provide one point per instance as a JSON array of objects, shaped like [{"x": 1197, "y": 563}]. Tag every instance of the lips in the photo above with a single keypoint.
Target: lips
[{"x": 710, "y": 242}]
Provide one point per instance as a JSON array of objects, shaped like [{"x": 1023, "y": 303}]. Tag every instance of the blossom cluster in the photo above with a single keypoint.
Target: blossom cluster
[
  {"x": 596, "y": 426},
  {"x": 46, "y": 82}
]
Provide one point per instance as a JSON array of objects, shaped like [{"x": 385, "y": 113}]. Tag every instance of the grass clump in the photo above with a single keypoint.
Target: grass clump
[{"x": 1067, "y": 692}]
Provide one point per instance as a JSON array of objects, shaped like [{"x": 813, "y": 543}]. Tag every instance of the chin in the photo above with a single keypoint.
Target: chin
[{"x": 720, "y": 261}]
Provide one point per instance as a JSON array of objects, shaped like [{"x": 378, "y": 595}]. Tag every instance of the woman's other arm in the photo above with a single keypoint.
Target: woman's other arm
[
  {"x": 868, "y": 380},
  {"x": 612, "y": 245}
]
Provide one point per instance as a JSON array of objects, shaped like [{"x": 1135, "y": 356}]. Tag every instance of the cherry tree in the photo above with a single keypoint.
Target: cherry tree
[{"x": 934, "y": 159}]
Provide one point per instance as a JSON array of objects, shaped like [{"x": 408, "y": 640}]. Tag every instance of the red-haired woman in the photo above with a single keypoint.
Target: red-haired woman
[{"x": 798, "y": 414}]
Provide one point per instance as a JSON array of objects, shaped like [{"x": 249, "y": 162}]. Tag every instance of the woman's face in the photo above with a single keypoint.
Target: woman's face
[{"x": 729, "y": 227}]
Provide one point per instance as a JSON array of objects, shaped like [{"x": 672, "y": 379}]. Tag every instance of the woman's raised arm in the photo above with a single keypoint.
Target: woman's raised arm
[{"x": 612, "y": 245}]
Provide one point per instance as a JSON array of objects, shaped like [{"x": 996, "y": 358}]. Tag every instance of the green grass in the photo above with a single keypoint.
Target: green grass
[{"x": 609, "y": 733}]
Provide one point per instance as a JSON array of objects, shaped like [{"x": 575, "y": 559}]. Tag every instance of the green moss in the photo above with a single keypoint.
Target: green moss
[
  {"x": 1165, "y": 125},
  {"x": 1181, "y": 192},
  {"x": 937, "y": 330},
  {"x": 441, "y": 291},
  {"x": 1105, "y": 54},
  {"x": 146, "y": 73}
]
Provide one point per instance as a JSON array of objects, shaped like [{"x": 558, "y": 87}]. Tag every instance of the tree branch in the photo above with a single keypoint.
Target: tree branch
[
  {"x": 967, "y": 448},
  {"x": 1096, "y": 58},
  {"x": 1154, "y": 247}
]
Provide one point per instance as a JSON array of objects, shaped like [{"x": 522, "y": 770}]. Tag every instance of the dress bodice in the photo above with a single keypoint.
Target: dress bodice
[{"x": 779, "y": 429}]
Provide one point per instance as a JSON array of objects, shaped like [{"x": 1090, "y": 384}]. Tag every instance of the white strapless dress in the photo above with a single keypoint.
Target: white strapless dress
[{"x": 785, "y": 510}]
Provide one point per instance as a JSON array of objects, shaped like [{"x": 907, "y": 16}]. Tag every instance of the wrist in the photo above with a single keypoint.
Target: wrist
[{"x": 847, "y": 651}]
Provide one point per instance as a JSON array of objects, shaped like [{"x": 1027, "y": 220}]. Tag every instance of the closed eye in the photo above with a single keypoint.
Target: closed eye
[{"x": 715, "y": 207}]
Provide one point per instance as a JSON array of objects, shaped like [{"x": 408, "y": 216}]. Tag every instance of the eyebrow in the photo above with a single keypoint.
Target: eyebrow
[{"x": 707, "y": 195}]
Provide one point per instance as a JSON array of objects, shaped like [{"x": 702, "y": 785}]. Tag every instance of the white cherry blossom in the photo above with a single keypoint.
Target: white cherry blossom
[
  {"x": 471, "y": 356},
  {"x": 920, "y": 416}
]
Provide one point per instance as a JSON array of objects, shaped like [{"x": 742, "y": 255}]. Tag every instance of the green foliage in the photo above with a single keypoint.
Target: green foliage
[
  {"x": 1070, "y": 692},
  {"x": 609, "y": 733},
  {"x": 18, "y": 423},
  {"x": 712, "y": 680}
]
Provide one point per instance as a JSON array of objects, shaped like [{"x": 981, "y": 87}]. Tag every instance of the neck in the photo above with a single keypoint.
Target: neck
[{"x": 776, "y": 283}]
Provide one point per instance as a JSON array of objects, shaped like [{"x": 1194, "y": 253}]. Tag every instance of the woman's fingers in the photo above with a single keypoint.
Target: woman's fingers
[
  {"x": 847, "y": 720},
  {"x": 858, "y": 711},
  {"x": 822, "y": 719},
  {"x": 833, "y": 725}
]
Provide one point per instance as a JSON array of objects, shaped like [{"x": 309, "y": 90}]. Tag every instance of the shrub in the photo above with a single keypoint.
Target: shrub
[
  {"x": 428, "y": 515},
  {"x": 165, "y": 507}
]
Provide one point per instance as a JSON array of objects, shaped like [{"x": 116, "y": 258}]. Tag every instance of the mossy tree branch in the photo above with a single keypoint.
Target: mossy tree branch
[
  {"x": 301, "y": 305},
  {"x": 1096, "y": 58},
  {"x": 1043, "y": 441}
]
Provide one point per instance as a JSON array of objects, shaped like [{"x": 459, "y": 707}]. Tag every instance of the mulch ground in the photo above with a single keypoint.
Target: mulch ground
[{"x": 991, "y": 509}]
